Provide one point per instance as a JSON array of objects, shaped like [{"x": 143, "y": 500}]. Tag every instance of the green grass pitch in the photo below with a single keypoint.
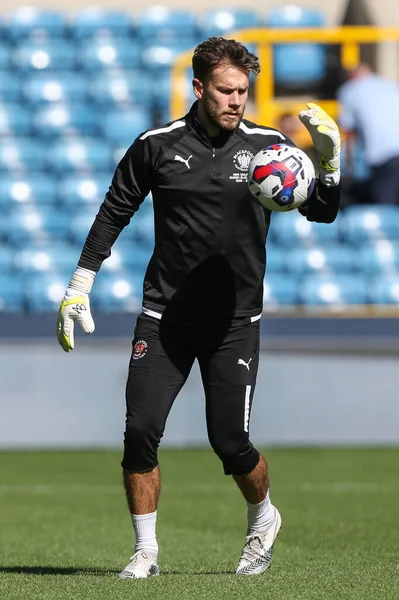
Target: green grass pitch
[{"x": 65, "y": 529}]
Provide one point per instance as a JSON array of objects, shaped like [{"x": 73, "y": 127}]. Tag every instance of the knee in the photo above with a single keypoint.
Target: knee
[
  {"x": 141, "y": 443},
  {"x": 237, "y": 458}
]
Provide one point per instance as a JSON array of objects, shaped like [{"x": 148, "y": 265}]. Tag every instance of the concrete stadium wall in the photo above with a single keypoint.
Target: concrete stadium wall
[
  {"x": 52, "y": 400},
  {"x": 385, "y": 12}
]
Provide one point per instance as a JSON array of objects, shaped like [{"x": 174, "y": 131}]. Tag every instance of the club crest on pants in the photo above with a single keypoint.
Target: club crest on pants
[{"x": 139, "y": 349}]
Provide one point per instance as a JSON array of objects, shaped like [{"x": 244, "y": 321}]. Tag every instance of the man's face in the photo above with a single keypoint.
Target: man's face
[{"x": 223, "y": 96}]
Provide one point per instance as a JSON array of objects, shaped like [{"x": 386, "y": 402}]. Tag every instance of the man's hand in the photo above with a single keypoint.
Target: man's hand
[
  {"x": 327, "y": 141},
  {"x": 75, "y": 306}
]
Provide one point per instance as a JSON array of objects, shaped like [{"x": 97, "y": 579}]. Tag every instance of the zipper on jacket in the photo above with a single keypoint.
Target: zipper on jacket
[{"x": 213, "y": 161}]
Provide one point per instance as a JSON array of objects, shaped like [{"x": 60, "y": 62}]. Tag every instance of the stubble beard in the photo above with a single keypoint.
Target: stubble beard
[{"x": 215, "y": 119}]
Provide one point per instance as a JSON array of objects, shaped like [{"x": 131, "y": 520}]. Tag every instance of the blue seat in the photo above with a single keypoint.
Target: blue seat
[
  {"x": 36, "y": 224},
  {"x": 122, "y": 126},
  {"x": 128, "y": 257},
  {"x": 160, "y": 58},
  {"x": 14, "y": 120},
  {"x": 276, "y": 258},
  {"x": 29, "y": 21},
  {"x": 43, "y": 292},
  {"x": 80, "y": 224},
  {"x": 280, "y": 291},
  {"x": 384, "y": 289},
  {"x": 378, "y": 257},
  {"x": 5, "y": 55},
  {"x": 38, "y": 55},
  {"x": 54, "y": 87},
  {"x": 36, "y": 188},
  {"x": 292, "y": 228},
  {"x": 57, "y": 257},
  {"x": 334, "y": 291},
  {"x": 64, "y": 119},
  {"x": 83, "y": 155},
  {"x": 76, "y": 191},
  {"x": 11, "y": 293},
  {"x": 221, "y": 21},
  {"x": 333, "y": 258},
  {"x": 18, "y": 155},
  {"x": 10, "y": 87},
  {"x": 121, "y": 88},
  {"x": 163, "y": 25},
  {"x": 297, "y": 64},
  {"x": 163, "y": 90},
  {"x": 7, "y": 257},
  {"x": 114, "y": 293},
  {"x": 96, "y": 21},
  {"x": 110, "y": 53},
  {"x": 362, "y": 223}
]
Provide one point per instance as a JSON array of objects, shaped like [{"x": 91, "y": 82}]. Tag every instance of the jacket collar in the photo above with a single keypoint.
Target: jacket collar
[{"x": 194, "y": 124}]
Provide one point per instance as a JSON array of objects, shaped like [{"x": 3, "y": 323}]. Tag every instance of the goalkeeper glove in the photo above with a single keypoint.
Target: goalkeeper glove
[
  {"x": 75, "y": 306},
  {"x": 327, "y": 141}
]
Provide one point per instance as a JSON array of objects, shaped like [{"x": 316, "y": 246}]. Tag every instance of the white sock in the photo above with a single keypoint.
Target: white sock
[
  {"x": 144, "y": 529},
  {"x": 260, "y": 515}
]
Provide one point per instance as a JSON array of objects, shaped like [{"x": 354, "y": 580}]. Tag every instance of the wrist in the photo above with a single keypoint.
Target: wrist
[{"x": 82, "y": 280}]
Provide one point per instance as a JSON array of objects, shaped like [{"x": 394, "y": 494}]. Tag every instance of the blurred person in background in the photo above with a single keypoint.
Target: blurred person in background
[
  {"x": 203, "y": 287},
  {"x": 369, "y": 114}
]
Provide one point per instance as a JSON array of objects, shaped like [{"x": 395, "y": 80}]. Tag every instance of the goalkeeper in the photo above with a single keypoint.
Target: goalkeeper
[{"x": 203, "y": 286}]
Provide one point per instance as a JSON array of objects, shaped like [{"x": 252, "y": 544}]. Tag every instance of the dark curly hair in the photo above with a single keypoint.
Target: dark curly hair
[{"x": 217, "y": 50}]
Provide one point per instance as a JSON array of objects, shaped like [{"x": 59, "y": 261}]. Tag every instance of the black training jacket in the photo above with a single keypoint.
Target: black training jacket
[{"x": 209, "y": 256}]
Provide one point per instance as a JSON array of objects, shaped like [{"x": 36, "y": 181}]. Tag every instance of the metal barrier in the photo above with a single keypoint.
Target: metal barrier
[{"x": 267, "y": 106}]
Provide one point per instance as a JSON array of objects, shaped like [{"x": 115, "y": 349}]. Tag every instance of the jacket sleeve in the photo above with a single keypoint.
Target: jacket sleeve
[
  {"x": 323, "y": 204},
  {"x": 129, "y": 187}
]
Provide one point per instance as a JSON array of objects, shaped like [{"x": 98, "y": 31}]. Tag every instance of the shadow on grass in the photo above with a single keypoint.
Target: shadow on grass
[{"x": 46, "y": 570}]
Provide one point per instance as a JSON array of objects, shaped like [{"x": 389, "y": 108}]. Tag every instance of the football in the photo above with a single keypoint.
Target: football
[{"x": 281, "y": 177}]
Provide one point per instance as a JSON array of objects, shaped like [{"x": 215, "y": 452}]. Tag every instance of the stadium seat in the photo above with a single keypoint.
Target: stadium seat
[
  {"x": 31, "y": 21},
  {"x": 18, "y": 155},
  {"x": 76, "y": 191},
  {"x": 43, "y": 292},
  {"x": 121, "y": 88},
  {"x": 94, "y": 21},
  {"x": 7, "y": 257},
  {"x": 56, "y": 119},
  {"x": 128, "y": 257},
  {"x": 107, "y": 54},
  {"x": 276, "y": 258},
  {"x": 11, "y": 293},
  {"x": 221, "y": 21},
  {"x": 297, "y": 64},
  {"x": 122, "y": 126},
  {"x": 333, "y": 291},
  {"x": 384, "y": 289},
  {"x": 38, "y": 55},
  {"x": 115, "y": 292},
  {"x": 161, "y": 25},
  {"x": 54, "y": 87},
  {"x": 14, "y": 120},
  {"x": 10, "y": 87},
  {"x": 162, "y": 93},
  {"x": 158, "y": 59},
  {"x": 36, "y": 188},
  {"x": 79, "y": 155},
  {"x": 5, "y": 56},
  {"x": 332, "y": 258},
  {"x": 79, "y": 224},
  {"x": 362, "y": 223},
  {"x": 381, "y": 256},
  {"x": 291, "y": 228},
  {"x": 280, "y": 291},
  {"x": 55, "y": 257},
  {"x": 36, "y": 224}
]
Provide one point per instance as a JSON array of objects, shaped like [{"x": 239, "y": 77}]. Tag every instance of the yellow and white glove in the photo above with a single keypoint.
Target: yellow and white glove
[
  {"x": 75, "y": 306},
  {"x": 327, "y": 141}
]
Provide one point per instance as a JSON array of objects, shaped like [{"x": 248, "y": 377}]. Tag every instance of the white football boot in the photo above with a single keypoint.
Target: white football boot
[
  {"x": 142, "y": 564},
  {"x": 257, "y": 553}
]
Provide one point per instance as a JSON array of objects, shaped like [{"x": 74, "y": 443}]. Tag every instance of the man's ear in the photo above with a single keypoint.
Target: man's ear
[{"x": 198, "y": 88}]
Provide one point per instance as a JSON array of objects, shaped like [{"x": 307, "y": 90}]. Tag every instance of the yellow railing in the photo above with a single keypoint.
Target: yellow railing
[{"x": 267, "y": 107}]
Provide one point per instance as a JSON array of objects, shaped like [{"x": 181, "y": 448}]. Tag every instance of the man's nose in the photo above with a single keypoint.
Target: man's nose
[{"x": 235, "y": 100}]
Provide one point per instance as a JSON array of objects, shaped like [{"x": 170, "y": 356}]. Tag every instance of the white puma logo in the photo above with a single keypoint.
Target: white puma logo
[
  {"x": 183, "y": 160},
  {"x": 242, "y": 362}
]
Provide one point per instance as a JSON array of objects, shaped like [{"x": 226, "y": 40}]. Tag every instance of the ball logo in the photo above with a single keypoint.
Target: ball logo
[{"x": 139, "y": 349}]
